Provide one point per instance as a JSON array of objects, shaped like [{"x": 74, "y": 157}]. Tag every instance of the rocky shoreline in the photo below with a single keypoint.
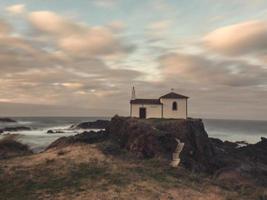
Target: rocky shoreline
[
  {"x": 155, "y": 138},
  {"x": 11, "y": 127},
  {"x": 235, "y": 164}
]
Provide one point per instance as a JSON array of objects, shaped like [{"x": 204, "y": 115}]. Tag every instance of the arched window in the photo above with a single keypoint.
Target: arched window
[{"x": 174, "y": 106}]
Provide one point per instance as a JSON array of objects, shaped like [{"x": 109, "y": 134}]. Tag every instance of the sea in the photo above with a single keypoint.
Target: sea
[{"x": 38, "y": 139}]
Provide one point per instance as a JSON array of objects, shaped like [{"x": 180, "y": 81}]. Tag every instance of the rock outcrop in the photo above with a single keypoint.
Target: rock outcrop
[
  {"x": 99, "y": 124},
  {"x": 248, "y": 162},
  {"x": 157, "y": 137},
  {"x": 15, "y": 129},
  {"x": 55, "y": 131},
  {"x": 9, "y": 147},
  {"x": 85, "y": 137},
  {"x": 7, "y": 120}
]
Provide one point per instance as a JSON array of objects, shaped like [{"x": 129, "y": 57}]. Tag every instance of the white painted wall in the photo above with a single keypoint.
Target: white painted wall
[
  {"x": 152, "y": 111},
  {"x": 180, "y": 113}
]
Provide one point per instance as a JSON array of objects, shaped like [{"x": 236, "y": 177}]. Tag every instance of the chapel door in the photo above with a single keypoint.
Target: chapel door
[{"x": 142, "y": 113}]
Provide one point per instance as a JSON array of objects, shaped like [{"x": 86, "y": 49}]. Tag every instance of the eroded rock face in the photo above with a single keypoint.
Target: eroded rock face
[{"x": 157, "y": 137}]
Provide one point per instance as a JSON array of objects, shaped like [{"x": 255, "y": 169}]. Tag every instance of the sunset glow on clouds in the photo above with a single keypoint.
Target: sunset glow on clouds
[{"x": 86, "y": 56}]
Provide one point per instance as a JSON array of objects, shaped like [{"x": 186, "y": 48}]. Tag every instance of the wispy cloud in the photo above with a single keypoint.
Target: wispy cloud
[
  {"x": 105, "y": 3},
  {"x": 92, "y": 56},
  {"x": 239, "y": 39},
  {"x": 16, "y": 9},
  {"x": 78, "y": 39}
]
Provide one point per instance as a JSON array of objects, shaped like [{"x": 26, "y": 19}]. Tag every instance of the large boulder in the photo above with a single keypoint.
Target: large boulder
[
  {"x": 9, "y": 147},
  {"x": 156, "y": 137},
  {"x": 99, "y": 124},
  {"x": 54, "y": 131}
]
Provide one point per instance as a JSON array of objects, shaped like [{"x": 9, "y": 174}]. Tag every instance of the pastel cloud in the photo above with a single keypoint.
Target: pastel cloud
[
  {"x": 158, "y": 29},
  {"x": 48, "y": 57},
  {"x": 160, "y": 25},
  {"x": 105, "y": 3},
  {"x": 16, "y": 9},
  {"x": 239, "y": 39},
  {"x": 201, "y": 70},
  {"x": 52, "y": 23},
  {"x": 51, "y": 68},
  {"x": 77, "y": 38},
  {"x": 4, "y": 28}
]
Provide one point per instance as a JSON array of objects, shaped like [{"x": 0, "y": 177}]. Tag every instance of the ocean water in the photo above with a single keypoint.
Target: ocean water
[
  {"x": 250, "y": 131},
  {"x": 38, "y": 139}
]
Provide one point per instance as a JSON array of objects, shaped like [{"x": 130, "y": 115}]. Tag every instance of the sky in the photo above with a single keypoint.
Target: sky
[{"x": 82, "y": 57}]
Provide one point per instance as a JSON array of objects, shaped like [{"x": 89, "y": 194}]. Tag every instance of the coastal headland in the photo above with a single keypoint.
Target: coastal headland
[{"x": 130, "y": 159}]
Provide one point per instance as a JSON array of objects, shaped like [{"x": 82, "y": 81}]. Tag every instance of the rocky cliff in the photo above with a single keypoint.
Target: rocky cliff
[{"x": 156, "y": 138}]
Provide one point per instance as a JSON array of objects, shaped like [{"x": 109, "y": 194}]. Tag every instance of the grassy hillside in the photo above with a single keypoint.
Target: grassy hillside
[{"x": 103, "y": 171}]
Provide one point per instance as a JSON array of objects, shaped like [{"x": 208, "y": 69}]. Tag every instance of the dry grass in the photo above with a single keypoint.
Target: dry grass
[{"x": 104, "y": 172}]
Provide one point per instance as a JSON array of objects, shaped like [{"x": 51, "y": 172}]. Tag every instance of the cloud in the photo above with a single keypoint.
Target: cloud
[
  {"x": 205, "y": 71},
  {"x": 158, "y": 30},
  {"x": 16, "y": 9},
  {"x": 105, "y": 3},
  {"x": 117, "y": 25},
  {"x": 79, "y": 39},
  {"x": 160, "y": 25},
  {"x": 40, "y": 69},
  {"x": 52, "y": 23},
  {"x": 239, "y": 39},
  {"x": 4, "y": 28},
  {"x": 65, "y": 62},
  {"x": 161, "y": 5}
]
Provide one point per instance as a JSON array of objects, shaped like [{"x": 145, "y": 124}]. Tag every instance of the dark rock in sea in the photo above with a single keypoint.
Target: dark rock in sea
[
  {"x": 156, "y": 137},
  {"x": 99, "y": 124},
  {"x": 50, "y": 131},
  {"x": 55, "y": 131},
  {"x": 7, "y": 120},
  {"x": 9, "y": 147},
  {"x": 16, "y": 128},
  {"x": 85, "y": 137}
]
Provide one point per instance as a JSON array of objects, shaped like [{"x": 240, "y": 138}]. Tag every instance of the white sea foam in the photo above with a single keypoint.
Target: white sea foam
[{"x": 39, "y": 139}]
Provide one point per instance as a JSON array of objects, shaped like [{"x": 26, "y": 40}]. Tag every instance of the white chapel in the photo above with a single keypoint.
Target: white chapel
[{"x": 169, "y": 106}]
